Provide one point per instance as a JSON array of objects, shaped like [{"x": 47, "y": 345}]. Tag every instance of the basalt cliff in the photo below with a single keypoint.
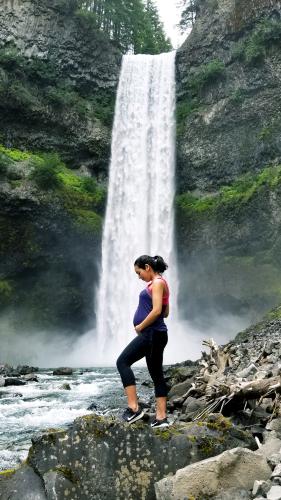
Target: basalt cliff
[{"x": 228, "y": 158}]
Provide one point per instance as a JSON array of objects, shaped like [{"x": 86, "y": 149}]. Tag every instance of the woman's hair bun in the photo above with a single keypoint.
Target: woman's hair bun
[{"x": 157, "y": 263}]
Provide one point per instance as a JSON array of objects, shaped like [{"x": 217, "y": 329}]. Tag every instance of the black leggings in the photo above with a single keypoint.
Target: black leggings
[{"x": 149, "y": 344}]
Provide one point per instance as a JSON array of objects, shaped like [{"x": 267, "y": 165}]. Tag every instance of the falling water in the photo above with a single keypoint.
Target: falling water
[{"x": 139, "y": 217}]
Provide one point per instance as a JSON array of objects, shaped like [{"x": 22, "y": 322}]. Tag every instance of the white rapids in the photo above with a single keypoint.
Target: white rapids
[{"x": 139, "y": 216}]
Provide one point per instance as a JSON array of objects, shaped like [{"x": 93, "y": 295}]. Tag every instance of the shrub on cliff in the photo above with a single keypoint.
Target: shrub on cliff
[
  {"x": 5, "y": 162},
  {"x": 45, "y": 171},
  {"x": 253, "y": 49}
]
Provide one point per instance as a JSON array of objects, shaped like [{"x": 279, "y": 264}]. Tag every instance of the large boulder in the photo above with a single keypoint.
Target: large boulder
[
  {"x": 104, "y": 458},
  {"x": 234, "y": 468}
]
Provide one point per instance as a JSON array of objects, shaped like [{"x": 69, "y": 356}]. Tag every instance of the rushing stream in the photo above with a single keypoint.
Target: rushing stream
[{"x": 44, "y": 405}]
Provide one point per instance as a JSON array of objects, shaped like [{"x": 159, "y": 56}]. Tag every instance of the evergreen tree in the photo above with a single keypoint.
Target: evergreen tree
[
  {"x": 132, "y": 24},
  {"x": 188, "y": 15}
]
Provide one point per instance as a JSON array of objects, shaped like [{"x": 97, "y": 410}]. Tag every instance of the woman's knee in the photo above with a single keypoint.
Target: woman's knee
[{"x": 120, "y": 363}]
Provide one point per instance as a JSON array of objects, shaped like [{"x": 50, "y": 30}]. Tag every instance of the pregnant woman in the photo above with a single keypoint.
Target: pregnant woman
[{"x": 151, "y": 339}]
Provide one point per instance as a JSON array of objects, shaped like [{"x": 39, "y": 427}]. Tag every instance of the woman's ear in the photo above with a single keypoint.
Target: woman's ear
[{"x": 147, "y": 267}]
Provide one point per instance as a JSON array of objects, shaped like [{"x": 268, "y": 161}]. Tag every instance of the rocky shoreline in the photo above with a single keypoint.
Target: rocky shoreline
[{"x": 224, "y": 443}]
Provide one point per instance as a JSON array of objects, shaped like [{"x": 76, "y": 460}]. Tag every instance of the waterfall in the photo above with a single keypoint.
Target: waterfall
[{"x": 139, "y": 215}]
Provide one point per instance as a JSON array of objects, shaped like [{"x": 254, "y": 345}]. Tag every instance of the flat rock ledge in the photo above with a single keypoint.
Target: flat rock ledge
[{"x": 102, "y": 458}]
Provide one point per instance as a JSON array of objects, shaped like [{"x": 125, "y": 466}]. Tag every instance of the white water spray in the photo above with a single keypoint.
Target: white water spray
[{"x": 139, "y": 216}]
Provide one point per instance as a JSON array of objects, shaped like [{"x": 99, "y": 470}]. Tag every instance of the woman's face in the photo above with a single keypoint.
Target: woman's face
[{"x": 144, "y": 274}]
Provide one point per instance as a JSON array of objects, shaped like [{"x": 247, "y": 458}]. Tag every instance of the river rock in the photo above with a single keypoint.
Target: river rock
[
  {"x": 25, "y": 369},
  {"x": 214, "y": 475},
  {"x": 63, "y": 371},
  {"x": 14, "y": 381},
  {"x": 21, "y": 484},
  {"x": 65, "y": 387},
  {"x": 105, "y": 458},
  {"x": 179, "y": 390},
  {"x": 30, "y": 377}
]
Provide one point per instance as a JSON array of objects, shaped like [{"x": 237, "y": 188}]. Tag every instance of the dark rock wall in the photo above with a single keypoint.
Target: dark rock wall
[
  {"x": 58, "y": 81},
  {"x": 76, "y": 56},
  {"x": 228, "y": 126}
]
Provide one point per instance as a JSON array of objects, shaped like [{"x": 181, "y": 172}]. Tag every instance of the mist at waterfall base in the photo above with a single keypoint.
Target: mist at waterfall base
[{"x": 52, "y": 349}]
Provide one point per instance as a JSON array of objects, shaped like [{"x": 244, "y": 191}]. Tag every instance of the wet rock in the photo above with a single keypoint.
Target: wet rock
[
  {"x": 21, "y": 484},
  {"x": 14, "y": 381},
  {"x": 110, "y": 459},
  {"x": 179, "y": 390},
  {"x": 92, "y": 407},
  {"x": 192, "y": 406},
  {"x": 63, "y": 371},
  {"x": 8, "y": 394},
  {"x": 58, "y": 485},
  {"x": 30, "y": 377},
  {"x": 25, "y": 369},
  {"x": 66, "y": 387},
  {"x": 2, "y": 381},
  {"x": 214, "y": 475}
]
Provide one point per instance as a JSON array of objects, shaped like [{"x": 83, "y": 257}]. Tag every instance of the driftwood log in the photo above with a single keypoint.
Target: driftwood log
[{"x": 220, "y": 387}]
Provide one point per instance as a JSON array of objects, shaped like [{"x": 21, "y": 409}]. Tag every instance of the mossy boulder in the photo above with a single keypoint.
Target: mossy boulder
[{"x": 104, "y": 458}]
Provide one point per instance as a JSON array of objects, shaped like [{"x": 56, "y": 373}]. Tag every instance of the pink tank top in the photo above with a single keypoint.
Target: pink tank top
[{"x": 166, "y": 294}]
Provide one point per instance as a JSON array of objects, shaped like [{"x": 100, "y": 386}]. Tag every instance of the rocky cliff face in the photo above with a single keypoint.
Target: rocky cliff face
[
  {"x": 228, "y": 119},
  {"x": 58, "y": 79}
]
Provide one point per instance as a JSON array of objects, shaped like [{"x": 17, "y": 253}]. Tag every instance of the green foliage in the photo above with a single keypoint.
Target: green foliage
[
  {"x": 87, "y": 219},
  {"x": 45, "y": 171},
  {"x": 16, "y": 154},
  {"x": 5, "y": 162},
  {"x": 184, "y": 109},
  {"x": 189, "y": 12},
  {"x": 133, "y": 25},
  {"x": 239, "y": 192},
  {"x": 6, "y": 292},
  {"x": 237, "y": 96},
  {"x": 206, "y": 74},
  {"x": 255, "y": 47},
  {"x": 65, "y": 98},
  {"x": 22, "y": 95},
  {"x": 10, "y": 57}
]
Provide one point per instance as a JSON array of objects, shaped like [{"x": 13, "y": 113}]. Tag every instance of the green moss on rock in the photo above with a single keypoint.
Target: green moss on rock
[{"x": 234, "y": 195}]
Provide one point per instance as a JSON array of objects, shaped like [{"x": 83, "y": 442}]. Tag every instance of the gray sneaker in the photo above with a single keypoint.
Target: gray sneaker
[
  {"x": 131, "y": 416},
  {"x": 160, "y": 424}
]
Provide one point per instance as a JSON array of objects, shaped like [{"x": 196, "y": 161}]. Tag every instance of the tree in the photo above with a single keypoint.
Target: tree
[
  {"x": 188, "y": 15},
  {"x": 132, "y": 24}
]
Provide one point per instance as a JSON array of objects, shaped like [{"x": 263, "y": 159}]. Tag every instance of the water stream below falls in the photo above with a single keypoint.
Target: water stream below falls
[{"x": 45, "y": 404}]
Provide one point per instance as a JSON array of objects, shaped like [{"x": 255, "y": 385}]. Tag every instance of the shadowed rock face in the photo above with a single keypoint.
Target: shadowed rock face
[
  {"x": 103, "y": 458},
  {"x": 229, "y": 125},
  {"x": 61, "y": 56},
  {"x": 223, "y": 134}
]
